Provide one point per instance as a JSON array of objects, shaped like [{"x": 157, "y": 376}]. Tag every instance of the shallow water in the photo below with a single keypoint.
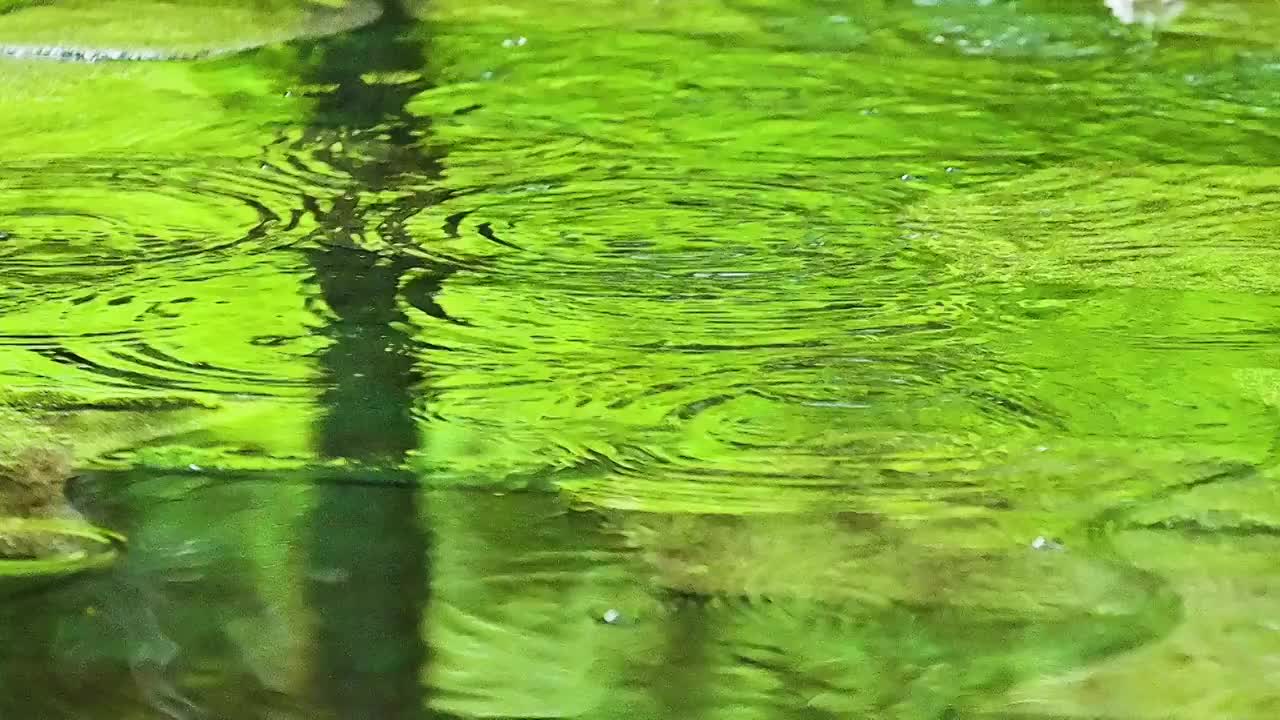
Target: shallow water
[{"x": 750, "y": 359}]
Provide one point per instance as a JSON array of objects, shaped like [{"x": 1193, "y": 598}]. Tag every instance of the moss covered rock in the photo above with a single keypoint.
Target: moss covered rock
[
  {"x": 157, "y": 30},
  {"x": 34, "y": 466}
]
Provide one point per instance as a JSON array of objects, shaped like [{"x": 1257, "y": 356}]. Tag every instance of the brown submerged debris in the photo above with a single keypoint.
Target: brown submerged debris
[{"x": 35, "y": 464}]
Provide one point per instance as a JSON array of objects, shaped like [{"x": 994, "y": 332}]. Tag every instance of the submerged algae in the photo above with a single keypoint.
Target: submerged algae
[
  {"x": 34, "y": 464},
  {"x": 45, "y": 437}
]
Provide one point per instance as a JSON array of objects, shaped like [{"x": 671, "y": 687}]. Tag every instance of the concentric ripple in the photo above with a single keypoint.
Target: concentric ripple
[
  {"x": 831, "y": 281},
  {"x": 781, "y": 343},
  {"x": 227, "y": 327},
  {"x": 77, "y": 218},
  {"x": 155, "y": 275}
]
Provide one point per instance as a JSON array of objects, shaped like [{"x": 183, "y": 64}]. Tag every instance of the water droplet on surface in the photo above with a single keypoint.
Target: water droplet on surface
[{"x": 1044, "y": 543}]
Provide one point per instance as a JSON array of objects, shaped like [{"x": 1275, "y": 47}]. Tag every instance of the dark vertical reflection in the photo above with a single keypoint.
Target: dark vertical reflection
[
  {"x": 368, "y": 555},
  {"x": 684, "y": 688},
  {"x": 370, "y": 365}
]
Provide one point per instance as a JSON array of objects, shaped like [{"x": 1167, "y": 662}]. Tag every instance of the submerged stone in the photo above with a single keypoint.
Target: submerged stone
[
  {"x": 34, "y": 466},
  {"x": 150, "y": 30}
]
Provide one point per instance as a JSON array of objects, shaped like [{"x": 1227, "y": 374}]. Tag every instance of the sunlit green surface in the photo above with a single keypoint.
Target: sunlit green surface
[{"x": 724, "y": 359}]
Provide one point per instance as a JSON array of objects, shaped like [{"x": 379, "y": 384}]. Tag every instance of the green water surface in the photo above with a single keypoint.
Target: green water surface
[{"x": 740, "y": 359}]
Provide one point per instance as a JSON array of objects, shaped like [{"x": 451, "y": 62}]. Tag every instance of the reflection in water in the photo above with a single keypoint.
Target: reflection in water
[
  {"x": 938, "y": 294},
  {"x": 368, "y": 574},
  {"x": 192, "y": 594},
  {"x": 369, "y": 570},
  {"x": 218, "y": 608},
  {"x": 369, "y": 561},
  {"x": 810, "y": 334}
]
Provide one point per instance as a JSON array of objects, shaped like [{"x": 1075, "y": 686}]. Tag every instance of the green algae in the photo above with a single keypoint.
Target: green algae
[
  {"x": 745, "y": 378},
  {"x": 832, "y": 317},
  {"x": 1228, "y": 590},
  {"x": 41, "y": 537},
  {"x": 895, "y": 270},
  {"x": 54, "y": 533},
  {"x": 34, "y": 464},
  {"x": 1167, "y": 227}
]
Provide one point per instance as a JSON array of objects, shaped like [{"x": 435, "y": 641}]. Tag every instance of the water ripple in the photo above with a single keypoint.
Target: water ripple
[
  {"x": 88, "y": 218},
  {"x": 630, "y": 319},
  {"x": 1172, "y": 227},
  {"x": 157, "y": 274},
  {"x": 888, "y": 269}
]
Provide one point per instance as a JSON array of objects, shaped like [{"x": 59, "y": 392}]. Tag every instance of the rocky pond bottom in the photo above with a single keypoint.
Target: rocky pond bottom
[{"x": 247, "y": 595}]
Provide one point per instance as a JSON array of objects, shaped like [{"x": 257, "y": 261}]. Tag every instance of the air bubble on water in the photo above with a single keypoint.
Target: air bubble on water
[{"x": 1043, "y": 543}]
